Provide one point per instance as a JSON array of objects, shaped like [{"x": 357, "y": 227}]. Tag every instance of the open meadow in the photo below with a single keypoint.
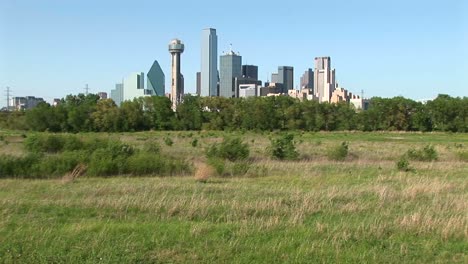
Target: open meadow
[{"x": 363, "y": 208}]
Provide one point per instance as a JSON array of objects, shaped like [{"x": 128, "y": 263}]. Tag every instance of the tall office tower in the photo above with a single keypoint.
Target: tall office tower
[
  {"x": 307, "y": 79},
  {"x": 176, "y": 47},
  {"x": 230, "y": 68},
  {"x": 134, "y": 86},
  {"x": 286, "y": 77},
  {"x": 117, "y": 94},
  {"x": 324, "y": 79},
  {"x": 274, "y": 78},
  {"x": 209, "y": 63},
  {"x": 250, "y": 71},
  {"x": 156, "y": 80},
  {"x": 198, "y": 83}
]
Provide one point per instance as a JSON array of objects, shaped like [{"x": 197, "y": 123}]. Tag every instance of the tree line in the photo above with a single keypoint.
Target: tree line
[{"x": 86, "y": 113}]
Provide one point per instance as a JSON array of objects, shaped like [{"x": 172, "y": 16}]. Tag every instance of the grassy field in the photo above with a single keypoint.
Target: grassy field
[{"x": 361, "y": 210}]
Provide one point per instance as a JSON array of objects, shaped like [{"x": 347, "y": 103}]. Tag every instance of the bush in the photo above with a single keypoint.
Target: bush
[
  {"x": 59, "y": 164},
  {"x": 283, "y": 148},
  {"x": 218, "y": 164},
  {"x": 463, "y": 155},
  {"x": 51, "y": 143},
  {"x": 18, "y": 167},
  {"x": 403, "y": 164},
  {"x": 145, "y": 163},
  {"x": 111, "y": 160},
  {"x": 152, "y": 147},
  {"x": 231, "y": 149},
  {"x": 428, "y": 153},
  {"x": 168, "y": 141},
  {"x": 194, "y": 143},
  {"x": 338, "y": 153}
]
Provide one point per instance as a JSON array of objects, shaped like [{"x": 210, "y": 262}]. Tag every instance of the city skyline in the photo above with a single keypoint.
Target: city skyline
[{"x": 403, "y": 56}]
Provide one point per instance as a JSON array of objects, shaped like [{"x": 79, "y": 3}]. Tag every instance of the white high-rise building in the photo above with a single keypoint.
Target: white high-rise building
[
  {"x": 324, "y": 79},
  {"x": 134, "y": 86},
  {"x": 209, "y": 63}
]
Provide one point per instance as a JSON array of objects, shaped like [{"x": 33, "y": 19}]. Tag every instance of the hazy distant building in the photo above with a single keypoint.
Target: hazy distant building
[
  {"x": 238, "y": 81},
  {"x": 307, "y": 79},
  {"x": 209, "y": 63},
  {"x": 339, "y": 95},
  {"x": 117, "y": 94},
  {"x": 324, "y": 79},
  {"x": 230, "y": 68},
  {"x": 156, "y": 81},
  {"x": 24, "y": 103},
  {"x": 286, "y": 77},
  {"x": 274, "y": 78},
  {"x": 198, "y": 83},
  {"x": 134, "y": 86},
  {"x": 247, "y": 90},
  {"x": 56, "y": 102},
  {"x": 250, "y": 71},
  {"x": 102, "y": 95}
]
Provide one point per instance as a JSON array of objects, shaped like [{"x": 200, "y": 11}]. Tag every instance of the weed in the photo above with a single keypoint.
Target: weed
[
  {"x": 231, "y": 149},
  {"x": 428, "y": 153},
  {"x": 403, "y": 164},
  {"x": 338, "y": 153},
  {"x": 283, "y": 148},
  {"x": 168, "y": 141}
]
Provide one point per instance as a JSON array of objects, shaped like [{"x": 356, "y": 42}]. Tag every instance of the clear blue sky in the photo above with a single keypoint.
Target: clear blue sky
[{"x": 417, "y": 49}]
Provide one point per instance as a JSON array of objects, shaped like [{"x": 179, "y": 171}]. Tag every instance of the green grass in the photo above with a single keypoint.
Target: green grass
[{"x": 362, "y": 210}]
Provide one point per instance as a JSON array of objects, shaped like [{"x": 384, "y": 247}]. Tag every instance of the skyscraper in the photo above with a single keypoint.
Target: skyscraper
[
  {"x": 324, "y": 79},
  {"x": 176, "y": 47},
  {"x": 209, "y": 63},
  {"x": 198, "y": 83},
  {"x": 250, "y": 71},
  {"x": 286, "y": 77},
  {"x": 117, "y": 94},
  {"x": 134, "y": 86},
  {"x": 307, "y": 79},
  {"x": 230, "y": 68},
  {"x": 156, "y": 80}
]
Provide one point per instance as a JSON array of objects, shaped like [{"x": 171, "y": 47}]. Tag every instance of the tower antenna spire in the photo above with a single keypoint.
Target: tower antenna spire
[{"x": 8, "y": 94}]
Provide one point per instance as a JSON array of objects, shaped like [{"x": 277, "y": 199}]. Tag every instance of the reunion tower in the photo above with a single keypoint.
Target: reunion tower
[{"x": 176, "y": 47}]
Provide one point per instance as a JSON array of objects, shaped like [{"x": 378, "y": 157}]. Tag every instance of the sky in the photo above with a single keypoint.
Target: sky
[{"x": 416, "y": 49}]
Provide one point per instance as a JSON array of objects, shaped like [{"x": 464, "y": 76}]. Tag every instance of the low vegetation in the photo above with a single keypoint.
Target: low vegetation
[{"x": 378, "y": 206}]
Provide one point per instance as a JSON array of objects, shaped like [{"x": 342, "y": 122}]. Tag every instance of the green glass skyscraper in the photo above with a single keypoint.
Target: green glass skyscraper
[{"x": 156, "y": 80}]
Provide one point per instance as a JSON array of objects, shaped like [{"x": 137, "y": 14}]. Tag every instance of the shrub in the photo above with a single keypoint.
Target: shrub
[
  {"x": 463, "y": 155},
  {"x": 403, "y": 164},
  {"x": 52, "y": 143},
  {"x": 339, "y": 152},
  {"x": 18, "y": 167},
  {"x": 428, "y": 153},
  {"x": 283, "y": 148},
  {"x": 111, "y": 160},
  {"x": 240, "y": 168},
  {"x": 218, "y": 164},
  {"x": 152, "y": 147},
  {"x": 194, "y": 143},
  {"x": 144, "y": 163},
  {"x": 58, "y": 164},
  {"x": 72, "y": 143},
  {"x": 230, "y": 149},
  {"x": 168, "y": 141}
]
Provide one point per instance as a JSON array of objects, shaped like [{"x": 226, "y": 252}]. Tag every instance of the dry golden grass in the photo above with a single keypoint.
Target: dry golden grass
[{"x": 204, "y": 172}]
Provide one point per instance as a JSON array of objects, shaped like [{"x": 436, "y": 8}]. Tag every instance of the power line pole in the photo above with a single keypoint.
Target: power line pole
[
  {"x": 86, "y": 89},
  {"x": 8, "y": 93}
]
